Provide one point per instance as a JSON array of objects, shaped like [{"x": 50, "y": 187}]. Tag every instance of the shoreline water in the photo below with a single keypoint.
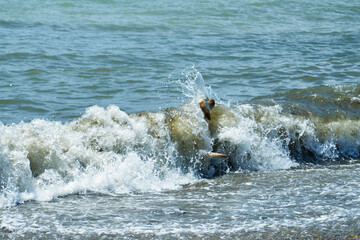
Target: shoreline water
[{"x": 189, "y": 212}]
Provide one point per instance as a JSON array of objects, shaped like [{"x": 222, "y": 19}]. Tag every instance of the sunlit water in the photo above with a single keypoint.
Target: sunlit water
[{"x": 101, "y": 134}]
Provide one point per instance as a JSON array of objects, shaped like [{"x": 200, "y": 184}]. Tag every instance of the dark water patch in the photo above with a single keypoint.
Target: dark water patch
[
  {"x": 35, "y": 72},
  {"x": 309, "y": 78},
  {"x": 134, "y": 81},
  {"x": 50, "y": 57},
  {"x": 7, "y": 85},
  {"x": 328, "y": 101},
  {"x": 32, "y": 109},
  {"x": 4, "y": 23},
  {"x": 20, "y": 55},
  {"x": 17, "y": 101},
  {"x": 66, "y": 4},
  {"x": 63, "y": 114},
  {"x": 310, "y": 68},
  {"x": 20, "y": 24},
  {"x": 141, "y": 90},
  {"x": 355, "y": 74},
  {"x": 104, "y": 96},
  {"x": 130, "y": 27},
  {"x": 332, "y": 112}
]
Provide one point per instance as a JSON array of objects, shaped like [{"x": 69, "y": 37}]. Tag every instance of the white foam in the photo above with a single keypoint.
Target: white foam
[
  {"x": 254, "y": 149},
  {"x": 193, "y": 85},
  {"x": 104, "y": 151}
]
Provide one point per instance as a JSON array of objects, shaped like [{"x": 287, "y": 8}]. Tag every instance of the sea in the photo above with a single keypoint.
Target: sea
[{"x": 102, "y": 135}]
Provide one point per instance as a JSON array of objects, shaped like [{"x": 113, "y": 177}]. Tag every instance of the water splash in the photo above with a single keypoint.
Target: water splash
[
  {"x": 109, "y": 151},
  {"x": 193, "y": 85}
]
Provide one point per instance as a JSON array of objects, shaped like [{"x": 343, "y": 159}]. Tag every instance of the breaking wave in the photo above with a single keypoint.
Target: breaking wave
[{"x": 112, "y": 152}]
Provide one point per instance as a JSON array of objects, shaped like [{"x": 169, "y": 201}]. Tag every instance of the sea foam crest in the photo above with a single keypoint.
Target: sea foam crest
[
  {"x": 104, "y": 151},
  {"x": 249, "y": 144},
  {"x": 268, "y": 137}
]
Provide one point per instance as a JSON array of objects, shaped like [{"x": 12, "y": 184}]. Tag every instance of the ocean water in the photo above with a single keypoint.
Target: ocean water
[{"x": 102, "y": 136}]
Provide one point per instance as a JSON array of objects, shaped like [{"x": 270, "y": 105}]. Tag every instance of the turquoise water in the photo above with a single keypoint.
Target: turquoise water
[
  {"x": 59, "y": 57},
  {"x": 101, "y": 135}
]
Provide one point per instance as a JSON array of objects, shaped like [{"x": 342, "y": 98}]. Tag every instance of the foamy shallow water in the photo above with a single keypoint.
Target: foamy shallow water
[{"x": 298, "y": 203}]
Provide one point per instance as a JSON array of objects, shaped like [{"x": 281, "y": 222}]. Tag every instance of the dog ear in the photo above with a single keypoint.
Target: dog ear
[
  {"x": 205, "y": 109},
  {"x": 211, "y": 103}
]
